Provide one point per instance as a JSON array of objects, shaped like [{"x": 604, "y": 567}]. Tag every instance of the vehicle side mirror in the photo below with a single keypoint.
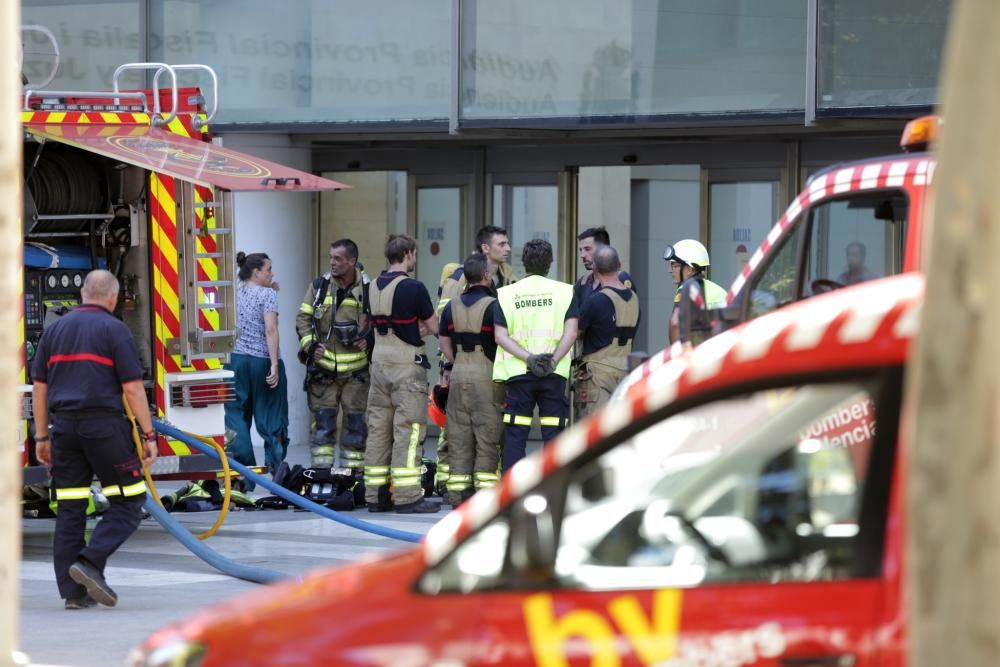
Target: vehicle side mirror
[{"x": 533, "y": 538}]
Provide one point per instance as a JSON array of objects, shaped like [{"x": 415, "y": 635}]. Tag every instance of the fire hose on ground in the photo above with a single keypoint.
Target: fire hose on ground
[{"x": 282, "y": 492}]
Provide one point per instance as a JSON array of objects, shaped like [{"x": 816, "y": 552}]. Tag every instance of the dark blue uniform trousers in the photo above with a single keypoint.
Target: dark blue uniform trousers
[
  {"x": 81, "y": 448},
  {"x": 524, "y": 392}
]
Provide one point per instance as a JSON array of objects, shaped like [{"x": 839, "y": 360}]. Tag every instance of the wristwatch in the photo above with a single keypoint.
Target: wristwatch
[{"x": 149, "y": 436}]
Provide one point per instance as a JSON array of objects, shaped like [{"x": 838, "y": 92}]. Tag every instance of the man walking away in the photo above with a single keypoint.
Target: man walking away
[
  {"x": 608, "y": 322},
  {"x": 474, "y": 400},
  {"x": 397, "y": 401},
  {"x": 535, "y": 324},
  {"x": 84, "y": 362},
  {"x": 333, "y": 337}
]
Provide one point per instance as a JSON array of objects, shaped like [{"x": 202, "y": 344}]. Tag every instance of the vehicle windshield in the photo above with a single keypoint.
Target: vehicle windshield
[
  {"x": 766, "y": 486},
  {"x": 741, "y": 488}
]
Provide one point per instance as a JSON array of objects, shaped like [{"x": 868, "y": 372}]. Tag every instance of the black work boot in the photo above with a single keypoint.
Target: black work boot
[
  {"x": 417, "y": 507},
  {"x": 83, "y": 602},
  {"x": 87, "y": 575}
]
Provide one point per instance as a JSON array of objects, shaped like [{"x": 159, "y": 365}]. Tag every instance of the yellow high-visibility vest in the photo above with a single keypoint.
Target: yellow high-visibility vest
[{"x": 535, "y": 308}]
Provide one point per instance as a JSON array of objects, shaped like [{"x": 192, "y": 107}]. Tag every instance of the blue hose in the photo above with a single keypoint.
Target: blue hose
[
  {"x": 201, "y": 550},
  {"x": 282, "y": 492}
]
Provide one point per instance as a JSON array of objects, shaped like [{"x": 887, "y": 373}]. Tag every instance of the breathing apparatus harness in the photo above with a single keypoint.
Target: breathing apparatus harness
[{"x": 347, "y": 333}]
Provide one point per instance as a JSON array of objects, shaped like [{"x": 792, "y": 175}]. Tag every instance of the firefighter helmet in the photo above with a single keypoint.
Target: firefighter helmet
[
  {"x": 437, "y": 405},
  {"x": 688, "y": 252}
]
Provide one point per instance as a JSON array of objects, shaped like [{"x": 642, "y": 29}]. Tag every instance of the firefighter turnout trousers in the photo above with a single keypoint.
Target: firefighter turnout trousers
[
  {"x": 475, "y": 431},
  {"x": 594, "y": 383},
  {"x": 523, "y": 393},
  {"x": 84, "y": 445},
  {"x": 397, "y": 410},
  {"x": 330, "y": 397}
]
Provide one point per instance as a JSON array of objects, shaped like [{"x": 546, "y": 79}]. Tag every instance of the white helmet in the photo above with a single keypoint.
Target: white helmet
[{"x": 688, "y": 252}]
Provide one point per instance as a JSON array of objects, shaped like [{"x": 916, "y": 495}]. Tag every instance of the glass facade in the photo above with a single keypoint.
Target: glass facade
[
  {"x": 341, "y": 61},
  {"x": 566, "y": 58},
  {"x": 94, "y": 36},
  {"x": 880, "y": 53}
]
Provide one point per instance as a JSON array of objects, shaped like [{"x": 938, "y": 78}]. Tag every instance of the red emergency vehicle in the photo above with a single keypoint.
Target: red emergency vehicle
[
  {"x": 875, "y": 209},
  {"x": 742, "y": 506},
  {"x": 132, "y": 181}
]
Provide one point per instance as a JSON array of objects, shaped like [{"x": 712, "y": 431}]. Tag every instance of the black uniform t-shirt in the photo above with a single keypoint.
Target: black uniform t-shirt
[
  {"x": 584, "y": 287},
  {"x": 447, "y": 325},
  {"x": 84, "y": 358},
  {"x": 598, "y": 327},
  {"x": 411, "y": 304}
]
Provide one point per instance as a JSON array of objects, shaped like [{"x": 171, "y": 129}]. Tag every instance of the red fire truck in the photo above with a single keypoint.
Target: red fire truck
[
  {"x": 738, "y": 507},
  {"x": 132, "y": 181},
  {"x": 872, "y": 208}
]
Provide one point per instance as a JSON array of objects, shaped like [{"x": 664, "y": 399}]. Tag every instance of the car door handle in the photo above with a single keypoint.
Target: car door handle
[{"x": 830, "y": 660}]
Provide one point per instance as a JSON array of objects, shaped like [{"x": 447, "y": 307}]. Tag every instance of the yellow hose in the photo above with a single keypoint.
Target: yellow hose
[{"x": 228, "y": 482}]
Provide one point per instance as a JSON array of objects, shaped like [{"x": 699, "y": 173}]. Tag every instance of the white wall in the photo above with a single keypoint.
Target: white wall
[{"x": 281, "y": 225}]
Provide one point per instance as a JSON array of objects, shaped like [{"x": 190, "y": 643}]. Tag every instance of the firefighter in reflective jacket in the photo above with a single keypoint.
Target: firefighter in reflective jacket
[
  {"x": 492, "y": 242},
  {"x": 333, "y": 340},
  {"x": 85, "y": 361},
  {"x": 688, "y": 261},
  {"x": 608, "y": 321},
  {"x": 402, "y": 314},
  {"x": 474, "y": 400},
  {"x": 535, "y": 322}
]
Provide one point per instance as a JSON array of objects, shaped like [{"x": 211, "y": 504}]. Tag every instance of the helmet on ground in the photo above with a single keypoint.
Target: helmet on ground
[
  {"x": 437, "y": 405},
  {"x": 688, "y": 252}
]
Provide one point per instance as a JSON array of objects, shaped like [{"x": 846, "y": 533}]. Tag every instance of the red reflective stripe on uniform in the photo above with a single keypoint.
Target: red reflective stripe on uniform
[
  {"x": 487, "y": 329},
  {"x": 82, "y": 356},
  {"x": 406, "y": 321}
]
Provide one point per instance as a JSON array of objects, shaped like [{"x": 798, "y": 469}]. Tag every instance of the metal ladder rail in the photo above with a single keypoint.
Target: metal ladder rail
[{"x": 196, "y": 341}]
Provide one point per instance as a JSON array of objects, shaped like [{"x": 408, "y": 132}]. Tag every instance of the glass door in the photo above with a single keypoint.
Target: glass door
[
  {"x": 741, "y": 211},
  {"x": 536, "y": 206}
]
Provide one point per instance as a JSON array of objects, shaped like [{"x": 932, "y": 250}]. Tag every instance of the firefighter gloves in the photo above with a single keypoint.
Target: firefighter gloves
[{"x": 541, "y": 365}]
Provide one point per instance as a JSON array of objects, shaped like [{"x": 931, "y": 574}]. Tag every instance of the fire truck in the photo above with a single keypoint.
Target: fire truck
[
  {"x": 879, "y": 205},
  {"x": 132, "y": 181},
  {"x": 742, "y": 505}
]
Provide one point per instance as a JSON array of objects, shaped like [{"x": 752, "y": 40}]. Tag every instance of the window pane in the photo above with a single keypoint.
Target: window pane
[
  {"x": 318, "y": 60},
  {"x": 531, "y": 59},
  {"x": 90, "y": 48},
  {"x": 856, "y": 239},
  {"x": 529, "y": 212},
  {"x": 740, "y": 216},
  {"x": 880, "y": 53},
  {"x": 765, "y": 487},
  {"x": 778, "y": 284}
]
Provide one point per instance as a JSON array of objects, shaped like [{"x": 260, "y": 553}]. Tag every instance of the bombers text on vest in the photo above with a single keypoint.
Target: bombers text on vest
[{"x": 535, "y": 308}]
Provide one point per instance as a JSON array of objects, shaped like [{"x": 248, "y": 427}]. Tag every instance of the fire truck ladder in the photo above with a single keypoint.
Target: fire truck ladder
[{"x": 205, "y": 296}]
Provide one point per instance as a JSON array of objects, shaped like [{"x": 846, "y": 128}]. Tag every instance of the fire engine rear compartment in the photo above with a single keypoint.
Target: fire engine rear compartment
[{"x": 85, "y": 211}]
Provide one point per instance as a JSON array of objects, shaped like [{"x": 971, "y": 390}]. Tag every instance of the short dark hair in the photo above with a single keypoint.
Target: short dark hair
[
  {"x": 537, "y": 257},
  {"x": 486, "y": 234},
  {"x": 599, "y": 234},
  {"x": 347, "y": 244},
  {"x": 475, "y": 268},
  {"x": 606, "y": 260},
  {"x": 250, "y": 263},
  {"x": 396, "y": 247}
]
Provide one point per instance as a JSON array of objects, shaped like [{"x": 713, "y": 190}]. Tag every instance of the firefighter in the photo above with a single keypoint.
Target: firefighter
[
  {"x": 535, "y": 324},
  {"x": 85, "y": 361},
  {"x": 492, "y": 242},
  {"x": 608, "y": 322},
  {"x": 402, "y": 314},
  {"x": 474, "y": 400},
  {"x": 332, "y": 325},
  {"x": 688, "y": 261},
  {"x": 589, "y": 284}
]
